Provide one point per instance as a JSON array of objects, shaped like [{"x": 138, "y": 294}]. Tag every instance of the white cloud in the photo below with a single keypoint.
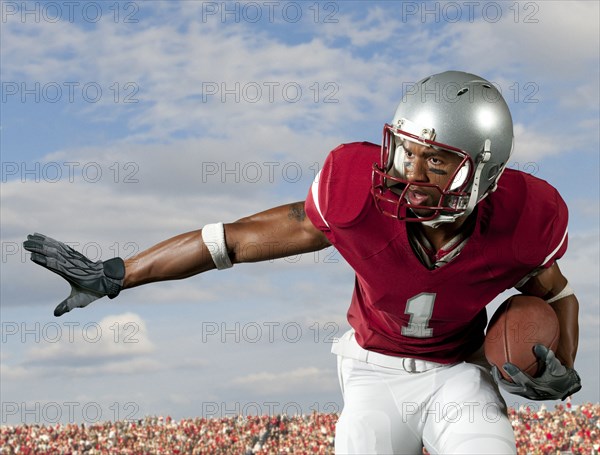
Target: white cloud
[
  {"x": 14, "y": 372},
  {"x": 580, "y": 263},
  {"x": 266, "y": 382},
  {"x": 587, "y": 207},
  {"x": 115, "y": 345},
  {"x": 534, "y": 41},
  {"x": 174, "y": 67},
  {"x": 377, "y": 26},
  {"x": 531, "y": 145},
  {"x": 116, "y": 368},
  {"x": 113, "y": 337},
  {"x": 188, "y": 291}
]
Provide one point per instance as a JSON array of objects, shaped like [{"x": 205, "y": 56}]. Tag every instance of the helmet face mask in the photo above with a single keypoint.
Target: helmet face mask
[
  {"x": 451, "y": 198},
  {"x": 476, "y": 128}
]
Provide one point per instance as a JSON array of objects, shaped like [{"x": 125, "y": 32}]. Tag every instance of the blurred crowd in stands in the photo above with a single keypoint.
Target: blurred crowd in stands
[{"x": 564, "y": 430}]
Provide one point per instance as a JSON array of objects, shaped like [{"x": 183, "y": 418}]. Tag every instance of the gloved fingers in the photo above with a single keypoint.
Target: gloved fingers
[
  {"x": 39, "y": 259},
  {"x": 62, "y": 308},
  {"x": 51, "y": 264},
  {"x": 34, "y": 243},
  {"x": 497, "y": 375},
  {"x": 39, "y": 243},
  {"x": 78, "y": 298},
  {"x": 517, "y": 375},
  {"x": 60, "y": 258},
  {"x": 550, "y": 363},
  {"x": 507, "y": 385},
  {"x": 541, "y": 352},
  {"x": 35, "y": 240},
  {"x": 45, "y": 254},
  {"x": 553, "y": 365},
  {"x": 557, "y": 382},
  {"x": 34, "y": 246},
  {"x": 527, "y": 386},
  {"x": 43, "y": 239}
]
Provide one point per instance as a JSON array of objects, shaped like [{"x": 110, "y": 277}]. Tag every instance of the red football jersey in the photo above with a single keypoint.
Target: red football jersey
[{"x": 400, "y": 307}]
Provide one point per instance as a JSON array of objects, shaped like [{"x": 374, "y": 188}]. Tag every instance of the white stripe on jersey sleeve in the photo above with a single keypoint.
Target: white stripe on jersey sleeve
[
  {"x": 556, "y": 249},
  {"x": 315, "y": 195}
]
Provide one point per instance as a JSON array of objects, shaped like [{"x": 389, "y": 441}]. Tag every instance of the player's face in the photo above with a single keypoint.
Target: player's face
[{"x": 423, "y": 164}]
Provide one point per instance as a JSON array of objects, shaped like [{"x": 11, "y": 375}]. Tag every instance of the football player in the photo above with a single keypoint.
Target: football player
[{"x": 435, "y": 227}]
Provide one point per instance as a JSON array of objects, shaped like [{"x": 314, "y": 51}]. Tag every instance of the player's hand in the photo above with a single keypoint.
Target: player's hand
[
  {"x": 556, "y": 382},
  {"x": 89, "y": 280}
]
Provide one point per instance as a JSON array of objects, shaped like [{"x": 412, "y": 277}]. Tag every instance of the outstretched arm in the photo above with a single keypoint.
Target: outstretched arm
[
  {"x": 278, "y": 232},
  {"x": 275, "y": 233}
]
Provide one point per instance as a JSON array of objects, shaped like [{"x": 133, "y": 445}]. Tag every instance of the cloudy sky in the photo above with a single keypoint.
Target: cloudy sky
[{"x": 125, "y": 123}]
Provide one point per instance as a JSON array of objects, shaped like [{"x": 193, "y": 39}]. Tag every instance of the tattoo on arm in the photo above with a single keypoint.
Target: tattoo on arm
[{"x": 297, "y": 212}]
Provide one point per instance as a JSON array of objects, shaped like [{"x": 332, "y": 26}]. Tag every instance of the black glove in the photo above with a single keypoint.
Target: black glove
[
  {"x": 89, "y": 280},
  {"x": 556, "y": 382}
]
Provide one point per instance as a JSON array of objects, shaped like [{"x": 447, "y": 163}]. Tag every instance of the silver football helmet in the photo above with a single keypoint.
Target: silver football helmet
[{"x": 456, "y": 112}]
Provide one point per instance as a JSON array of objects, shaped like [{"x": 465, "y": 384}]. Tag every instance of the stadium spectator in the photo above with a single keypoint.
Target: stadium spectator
[{"x": 564, "y": 431}]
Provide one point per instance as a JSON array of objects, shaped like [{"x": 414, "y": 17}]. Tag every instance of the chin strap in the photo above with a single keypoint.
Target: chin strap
[
  {"x": 441, "y": 219},
  {"x": 484, "y": 158}
]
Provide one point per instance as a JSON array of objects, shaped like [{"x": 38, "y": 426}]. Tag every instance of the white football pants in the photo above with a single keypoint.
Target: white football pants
[{"x": 398, "y": 406}]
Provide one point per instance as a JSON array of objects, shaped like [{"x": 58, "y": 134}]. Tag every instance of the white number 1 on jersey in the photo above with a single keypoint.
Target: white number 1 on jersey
[{"x": 420, "y": 309}]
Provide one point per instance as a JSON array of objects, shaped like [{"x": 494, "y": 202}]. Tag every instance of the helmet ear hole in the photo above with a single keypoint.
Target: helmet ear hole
[
  {"x": 461, "y": 176},
  {"x": 391, "y": 153},
  {"x": 396, "y": 167}
]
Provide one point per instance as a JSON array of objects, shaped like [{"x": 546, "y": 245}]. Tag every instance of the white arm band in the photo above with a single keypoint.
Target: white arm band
[
  {"x": 214, "y": 239},
  {"x": 567, "y": 291}
]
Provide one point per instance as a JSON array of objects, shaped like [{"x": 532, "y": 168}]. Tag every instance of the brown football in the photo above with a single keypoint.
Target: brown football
[{"x": 516, "y": 327}]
